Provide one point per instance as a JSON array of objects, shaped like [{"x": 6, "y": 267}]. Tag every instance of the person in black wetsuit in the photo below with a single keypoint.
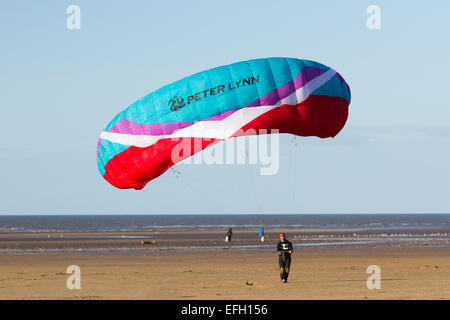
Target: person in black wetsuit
[
  {"x": 228, "y": 235},
  {"x": 284, "y": 249}
]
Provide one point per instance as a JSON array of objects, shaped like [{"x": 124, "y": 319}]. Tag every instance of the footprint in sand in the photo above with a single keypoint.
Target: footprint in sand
[{"x": 427, "y": 266}]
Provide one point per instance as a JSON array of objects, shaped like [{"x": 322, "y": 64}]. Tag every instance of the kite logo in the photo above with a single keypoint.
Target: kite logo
[{"x": 176, "y": 103}]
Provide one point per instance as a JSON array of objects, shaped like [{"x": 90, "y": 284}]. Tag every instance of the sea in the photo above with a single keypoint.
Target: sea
[{"x": 187, "y": 222}]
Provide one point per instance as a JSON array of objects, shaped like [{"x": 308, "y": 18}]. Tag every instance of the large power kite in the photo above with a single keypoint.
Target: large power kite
[{"x": 300, "y": 97}]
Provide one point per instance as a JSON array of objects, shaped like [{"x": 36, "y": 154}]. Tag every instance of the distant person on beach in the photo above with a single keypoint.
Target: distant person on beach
[
  {"x": 284, "y": 249},
  {"x": 229, "y": 234},
  {"x": 261, "y": 234}
]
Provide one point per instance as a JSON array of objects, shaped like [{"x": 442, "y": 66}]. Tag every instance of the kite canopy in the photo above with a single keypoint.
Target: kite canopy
[{"x": 300, "y": 97}]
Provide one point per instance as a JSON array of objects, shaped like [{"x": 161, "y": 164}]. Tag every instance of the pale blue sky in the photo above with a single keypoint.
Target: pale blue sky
[{"x": 60, "y": 88}]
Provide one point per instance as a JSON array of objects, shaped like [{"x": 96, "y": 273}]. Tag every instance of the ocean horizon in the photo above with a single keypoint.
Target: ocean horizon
[{"x": 118, "y": 222}]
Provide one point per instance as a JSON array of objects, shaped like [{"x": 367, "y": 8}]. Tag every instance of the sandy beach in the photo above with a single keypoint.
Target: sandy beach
[{"x": 197, "y": 265}]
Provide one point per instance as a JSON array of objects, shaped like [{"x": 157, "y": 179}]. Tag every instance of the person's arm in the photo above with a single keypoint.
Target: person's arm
[
  {"x": 291, "y": 248},
  {"x": 279, "y": 248}
]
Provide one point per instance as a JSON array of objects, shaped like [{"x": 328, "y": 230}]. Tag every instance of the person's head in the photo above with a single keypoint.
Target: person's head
[{"x": 282, "y": 236}]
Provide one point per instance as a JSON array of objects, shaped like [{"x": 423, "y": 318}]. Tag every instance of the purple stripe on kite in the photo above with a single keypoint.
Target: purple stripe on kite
[
  {"x": 98, "y": 144},
  {"x": 306, "y": 75},
  {"x": 273, "y": 97}
]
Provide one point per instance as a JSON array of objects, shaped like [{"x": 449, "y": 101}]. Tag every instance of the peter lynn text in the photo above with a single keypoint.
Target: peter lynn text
[{"x": 222, "y": 88}]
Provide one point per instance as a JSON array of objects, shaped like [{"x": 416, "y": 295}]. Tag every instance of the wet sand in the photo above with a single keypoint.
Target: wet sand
[
  {"x": 130, "y": 242},
  {"x": 178, "y": 268}
]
